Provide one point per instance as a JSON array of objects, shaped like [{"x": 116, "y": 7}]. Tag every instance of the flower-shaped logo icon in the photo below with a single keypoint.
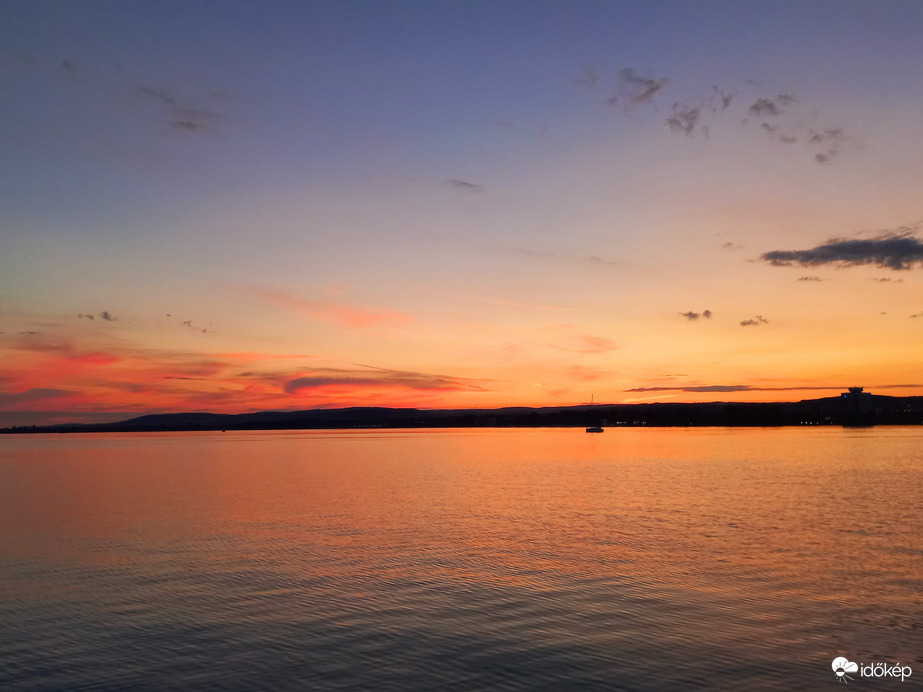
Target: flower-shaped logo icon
[{"x": 841, "y": 666}]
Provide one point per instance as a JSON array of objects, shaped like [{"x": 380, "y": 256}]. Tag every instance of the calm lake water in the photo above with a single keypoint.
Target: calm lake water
[{"x": 639, "y": 559}]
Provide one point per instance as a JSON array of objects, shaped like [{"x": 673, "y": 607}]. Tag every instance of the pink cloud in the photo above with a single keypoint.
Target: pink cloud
[{"x": 341, "y": 314}]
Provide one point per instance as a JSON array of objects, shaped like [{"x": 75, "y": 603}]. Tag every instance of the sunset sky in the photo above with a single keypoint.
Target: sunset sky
[{"x": 235, "y": 206}]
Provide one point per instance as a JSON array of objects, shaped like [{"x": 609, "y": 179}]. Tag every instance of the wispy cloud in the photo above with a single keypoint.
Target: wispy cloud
[
  {"x": 897, "y": 250},
  {"x": 588, "y": 344},
  {"x": 341, "y": 314},
  {"x": 587, "y": 77},
  {"x": 30, "y": 396},
  {"x": 586, "y": 260},
  {"x": 370, "y": 376},
  {"x": 181, "y": 114},
  {"x": 463, "y": 185},
  {"x": 639, "y": 89},
  {"x": 189, "y": 325},
  {"x": 635, "y": 89},
  {"x": 729, "y": 388},
  {"x": 810, "y": 278}
]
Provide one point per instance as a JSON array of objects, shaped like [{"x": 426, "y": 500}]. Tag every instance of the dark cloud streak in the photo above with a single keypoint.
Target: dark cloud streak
[
  {"x": 730, "y": 388},
  {"x": 464, "y": 185},
  {"x": 897, "y": 251},
  {"x": 379, "y": 377}
]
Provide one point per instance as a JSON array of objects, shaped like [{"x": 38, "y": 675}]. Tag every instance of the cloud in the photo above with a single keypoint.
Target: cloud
[
  {"x": 889, "y": 250},
  {"x": 686, "y": 116},
  {"x": 181, "y": 115},
  {"x": 463, "y": 185},
  {"x": 731, "y": 388},
  {"x": 834, "y": 134},
  {"x": 635, "y": 89},
  {"x": 755, "y": 322},
  {"x": 586, "y": 343},
  {"x": 590, "y": 260},
  {"x": 587, "y": 77},
  {"x": 885, "y": 280},
  {"x": 70, "y": 68},
  {"x": 598, "y": 261},
  {"x": 9, "y": 400},
  {"x": 781, "y": 118},
  {"x": 38, "y": 342},
  {"x": 776, "y": 133},
  {"x": 104, "y": 315},
  {"x": 918, "y": 314},
  {"x": 810, "y": 278},
  {"x": 767, "y": 107},
  {"x": 693, "y": 316},
  {"x": 194, "y": 327},
  {"x": 337, "y": 313},
  {"x": 370, "y": 376}
]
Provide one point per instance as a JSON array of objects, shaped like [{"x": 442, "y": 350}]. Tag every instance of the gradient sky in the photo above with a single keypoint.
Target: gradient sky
[{"x": 233, "y": 206}]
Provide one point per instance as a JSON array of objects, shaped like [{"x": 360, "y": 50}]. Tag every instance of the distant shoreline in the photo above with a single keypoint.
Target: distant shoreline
[{"x": 877, "y": 410}]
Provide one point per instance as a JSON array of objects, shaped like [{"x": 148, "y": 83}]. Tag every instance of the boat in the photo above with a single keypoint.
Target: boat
[{"x": 595, "y": 428}]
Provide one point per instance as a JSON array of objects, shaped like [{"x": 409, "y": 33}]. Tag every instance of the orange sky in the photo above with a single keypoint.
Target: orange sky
[{"x": 346, "y": 205}]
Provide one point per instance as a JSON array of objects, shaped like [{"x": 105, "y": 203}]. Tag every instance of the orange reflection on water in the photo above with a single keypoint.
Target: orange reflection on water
[{"x": 714, "y": 509}]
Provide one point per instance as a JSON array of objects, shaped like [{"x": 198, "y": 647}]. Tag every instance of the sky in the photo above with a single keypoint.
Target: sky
[{"x": 234, "y": 206}]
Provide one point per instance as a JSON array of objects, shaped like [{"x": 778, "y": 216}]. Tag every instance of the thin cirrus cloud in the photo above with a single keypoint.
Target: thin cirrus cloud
[
  {"x": 343, "y": 315},
  {"x": 896, "y": 250},
  {"x": 369, "y": 376}
]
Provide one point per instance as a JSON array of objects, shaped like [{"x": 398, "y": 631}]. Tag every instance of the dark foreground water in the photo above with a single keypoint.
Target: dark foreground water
[{"x": 639, "y": 559}]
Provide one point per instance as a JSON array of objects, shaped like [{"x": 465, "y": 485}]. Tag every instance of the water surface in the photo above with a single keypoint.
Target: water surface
[{"x": 640, "y": 559}]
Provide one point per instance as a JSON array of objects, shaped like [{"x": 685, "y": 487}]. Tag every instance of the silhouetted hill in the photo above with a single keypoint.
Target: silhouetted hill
[{"x": 876, "y": 410}]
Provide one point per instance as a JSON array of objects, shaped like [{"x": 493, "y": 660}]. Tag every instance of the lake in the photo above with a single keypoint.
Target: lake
[{"x": 465, "y": 559}]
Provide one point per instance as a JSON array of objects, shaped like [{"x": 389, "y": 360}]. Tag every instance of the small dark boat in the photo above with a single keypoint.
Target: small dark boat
[{"x": 595, "y": 428}]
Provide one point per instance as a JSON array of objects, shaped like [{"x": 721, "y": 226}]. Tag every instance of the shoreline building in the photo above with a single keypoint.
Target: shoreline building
[{"x": 857, "y": 407}]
